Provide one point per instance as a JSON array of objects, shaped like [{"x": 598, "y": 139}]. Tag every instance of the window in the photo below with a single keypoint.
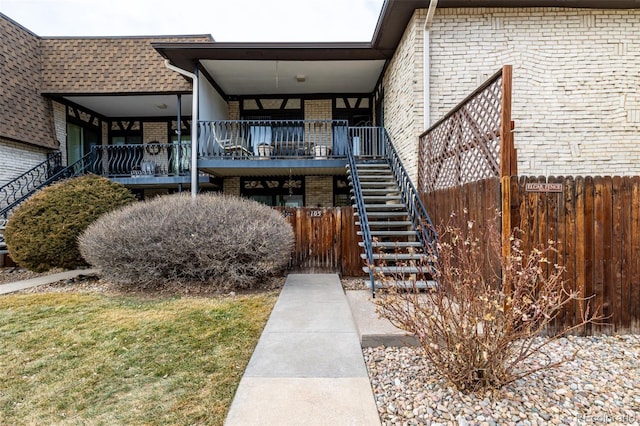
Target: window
[
  {"x": 274, "y": 191},
  {"x": 80, "y": 139}
]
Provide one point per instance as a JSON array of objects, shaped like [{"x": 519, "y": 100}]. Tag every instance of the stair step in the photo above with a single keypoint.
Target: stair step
[
  {"x": 395, "y": 256},
  {"x": 388, "y": 223},
  {"x": 390, "y": 233},
  {"x": 393, "y": 244},
  {"x": 406, "y": 284},
  {"x": 389, "y": 190},
  {"x": 369, "y": 177},
  {"x": 383, "y": 206},
  {"x": 400, "y": 270},
  {"x": 372, "y": 165},
  {"x": 384, "y": 214},
  {"x": 369, "y": 198},
  {"x": 390, "y": 184},
  {"x": 373, "y": 170}
]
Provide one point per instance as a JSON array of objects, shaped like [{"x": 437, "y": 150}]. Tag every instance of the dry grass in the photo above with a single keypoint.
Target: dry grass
[{"x": 88, "y": 358}]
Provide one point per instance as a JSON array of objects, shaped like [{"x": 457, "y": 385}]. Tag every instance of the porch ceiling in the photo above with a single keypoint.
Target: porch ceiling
[
  {"x": 264, "y": 77},
  {"x": 120, "y": 106}
]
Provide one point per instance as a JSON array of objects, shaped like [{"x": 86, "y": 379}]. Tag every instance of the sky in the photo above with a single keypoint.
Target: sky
[{"x": 225, "y": 20}]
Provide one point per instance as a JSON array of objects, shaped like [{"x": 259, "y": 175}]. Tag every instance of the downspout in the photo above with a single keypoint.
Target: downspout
[
  {"x": 426, "y": 66},
  {"x": 194, "y": 124},
  {"x": 179, "y": 133}
]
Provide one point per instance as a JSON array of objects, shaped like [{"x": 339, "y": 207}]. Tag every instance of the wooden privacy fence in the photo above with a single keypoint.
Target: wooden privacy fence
[
  {"x": 596, "y": 224},
  {"x": 468, "y": 162},
  {"x": 326, "y": 240}
]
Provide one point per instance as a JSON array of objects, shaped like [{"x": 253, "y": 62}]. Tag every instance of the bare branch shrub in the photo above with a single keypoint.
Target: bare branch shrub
[
  {"x": 227, "y": 241},
  {"x": 476, "y": 332}
]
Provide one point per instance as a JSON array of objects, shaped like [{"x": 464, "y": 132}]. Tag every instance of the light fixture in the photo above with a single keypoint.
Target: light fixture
[{"x": 301, "y": 78}]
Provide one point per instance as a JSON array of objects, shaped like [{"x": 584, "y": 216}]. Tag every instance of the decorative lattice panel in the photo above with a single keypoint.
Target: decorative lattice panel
[{"x": 464, "y": 146}]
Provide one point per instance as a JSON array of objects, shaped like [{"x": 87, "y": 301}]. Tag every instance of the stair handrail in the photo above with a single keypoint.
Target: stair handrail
[
  {"x": 410, "y": 196},
  {"x": 17, "y": 187},
  {"x": 364, "y": 222},
  {"x": 76, "y": 169}
]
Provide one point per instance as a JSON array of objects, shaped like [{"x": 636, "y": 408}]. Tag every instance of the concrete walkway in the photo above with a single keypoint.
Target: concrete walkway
[
  {"x": 307, "y": 368},
  {"x": 45, "y": 279}
]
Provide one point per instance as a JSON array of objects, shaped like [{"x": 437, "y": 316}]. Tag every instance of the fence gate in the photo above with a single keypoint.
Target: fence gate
[{"x": 325, "y": 240}]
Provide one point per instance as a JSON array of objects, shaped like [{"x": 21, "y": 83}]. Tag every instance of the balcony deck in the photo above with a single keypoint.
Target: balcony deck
[
  {"x": 263, "y": 147},
  {"x": 241, "y": 148}
]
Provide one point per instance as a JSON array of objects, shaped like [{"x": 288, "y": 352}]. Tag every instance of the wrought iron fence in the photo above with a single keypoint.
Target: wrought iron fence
[
  {"x": 54, "y": 174},
  {"x": 30, "y": 180},
  {"x": 153, "y": 159},
  {"x": 464, "y": 146}
]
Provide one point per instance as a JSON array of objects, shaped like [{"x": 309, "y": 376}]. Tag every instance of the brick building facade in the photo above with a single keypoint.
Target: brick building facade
[
  {"x": 576, "y": 104},
  {"x": 576, "y": 82}
]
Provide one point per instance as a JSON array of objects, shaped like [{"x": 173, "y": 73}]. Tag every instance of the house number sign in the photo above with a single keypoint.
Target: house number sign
[
  {"x": 544, "y": 187},
  {"x": 315, "y": 213}
]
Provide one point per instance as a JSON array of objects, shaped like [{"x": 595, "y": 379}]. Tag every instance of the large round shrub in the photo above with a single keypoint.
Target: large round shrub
[
  {"x": 227, "y": 241},
  {"x": 42, "y": 233}
]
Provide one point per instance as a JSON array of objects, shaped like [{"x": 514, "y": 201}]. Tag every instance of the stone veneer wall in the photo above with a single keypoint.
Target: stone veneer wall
[
  {"x": 576, "y": 99},
  {"x": 234, "y": 110},
  {"x": 231, "y": 186},
  {"x": 318, "y": 191},
  {"x": 16, "y": 158}
]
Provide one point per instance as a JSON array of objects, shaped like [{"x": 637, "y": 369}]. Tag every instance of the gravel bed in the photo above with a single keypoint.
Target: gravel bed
[
  {"x": 601, "y": 386},
  {"x": 95, "y": 284}
]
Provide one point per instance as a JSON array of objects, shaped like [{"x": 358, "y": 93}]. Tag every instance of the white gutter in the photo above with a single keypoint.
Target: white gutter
[
  {"x": 194, "y": 124},
  {"x": 426, "y": 66}
]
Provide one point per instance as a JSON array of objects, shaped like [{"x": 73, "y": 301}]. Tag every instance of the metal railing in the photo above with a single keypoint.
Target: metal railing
[
  {"x": 410, "y": 196},
  {"x": 24, "y": 184},
  {"x": 153, "y": 159},
  {"x": 362, "y": 212},
  {"x": 78, "y": 168},
  {"x": 262, "y": 139},
  {"x": 368, "y": 141}
]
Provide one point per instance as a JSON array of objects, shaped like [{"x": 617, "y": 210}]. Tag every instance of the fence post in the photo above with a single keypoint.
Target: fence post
[{"x": 508, "y": 165}]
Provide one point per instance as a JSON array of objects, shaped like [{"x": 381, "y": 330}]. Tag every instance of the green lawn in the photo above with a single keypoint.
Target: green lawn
[{"x": 90, "y": 359}]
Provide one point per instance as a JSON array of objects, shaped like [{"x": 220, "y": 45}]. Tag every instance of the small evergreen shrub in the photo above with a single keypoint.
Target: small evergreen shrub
[
  {"x": 226, "y": 241},
  {"x": 42, "y": 233}
]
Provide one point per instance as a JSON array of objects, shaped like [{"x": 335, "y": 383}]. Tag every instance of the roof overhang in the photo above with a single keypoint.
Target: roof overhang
[
  {"x": 256, "y": 68},
  {"x": 130, "y": 105},
  {"x": 281, "y": 68}
]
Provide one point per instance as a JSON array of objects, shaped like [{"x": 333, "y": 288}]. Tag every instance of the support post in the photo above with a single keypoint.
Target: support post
[{"x": 508, "y": 165}]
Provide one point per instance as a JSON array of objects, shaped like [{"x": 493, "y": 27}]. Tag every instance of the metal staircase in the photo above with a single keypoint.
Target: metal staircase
[
  {"x": 394, "y": 225},
  {"x": 16, "y": 191}
]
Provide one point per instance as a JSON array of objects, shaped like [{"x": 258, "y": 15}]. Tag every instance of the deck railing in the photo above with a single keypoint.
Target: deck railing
[
  {"x": 262, "y": 139},
  {"x": 275, "y": 139},
  {"x": 22, "y": 186},
  {"x": 153, "y": 159}
]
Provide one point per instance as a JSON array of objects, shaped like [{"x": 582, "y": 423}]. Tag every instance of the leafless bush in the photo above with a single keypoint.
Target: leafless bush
[
  {"x": 228, "y": 241},
  {"x": 479, "y": 329}
]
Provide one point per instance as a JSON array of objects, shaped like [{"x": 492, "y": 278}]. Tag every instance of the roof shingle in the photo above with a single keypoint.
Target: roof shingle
[{"x": 110, "y": 65}]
